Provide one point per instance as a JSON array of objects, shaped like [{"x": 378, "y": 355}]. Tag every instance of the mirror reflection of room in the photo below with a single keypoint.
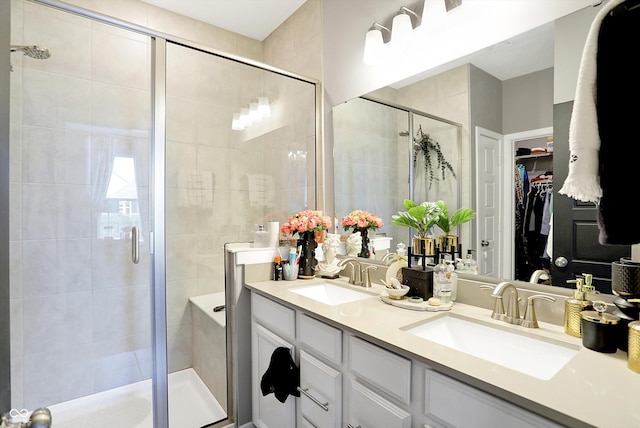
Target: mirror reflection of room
[{"x": 533, "y": 209}]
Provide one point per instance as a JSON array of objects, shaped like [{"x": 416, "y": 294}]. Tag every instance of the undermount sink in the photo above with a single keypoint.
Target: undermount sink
[
  {"x": 330, "y": 294},
  {"x": 541, "y": 358}
]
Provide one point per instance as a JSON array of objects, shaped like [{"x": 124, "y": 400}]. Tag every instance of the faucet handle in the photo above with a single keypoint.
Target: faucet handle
[
  {"x": 498, "y": 308},
  {"x": 529, "y": 320},
  {"x": 367, "y": 275}
]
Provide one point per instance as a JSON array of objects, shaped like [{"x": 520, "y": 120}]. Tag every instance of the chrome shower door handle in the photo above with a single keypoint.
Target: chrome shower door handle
[{"x": 135, "y": 253}]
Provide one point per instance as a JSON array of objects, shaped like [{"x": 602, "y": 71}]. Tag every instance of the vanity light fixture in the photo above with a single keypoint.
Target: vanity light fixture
[
  {"x": 400, "y": 34},
  {"x": 377, "y": 51}
]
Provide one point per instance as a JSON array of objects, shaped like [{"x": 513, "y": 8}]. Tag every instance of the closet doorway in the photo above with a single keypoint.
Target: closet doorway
[{"x": 528, "y": 202}]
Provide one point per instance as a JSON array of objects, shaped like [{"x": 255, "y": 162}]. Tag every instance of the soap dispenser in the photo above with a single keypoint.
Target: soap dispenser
[
  {"x": 471, "y": 265},
  {"x": 578, "y": 303},
  {"x": 442, "y": 281},
  {"x": 453, "y": 276}
]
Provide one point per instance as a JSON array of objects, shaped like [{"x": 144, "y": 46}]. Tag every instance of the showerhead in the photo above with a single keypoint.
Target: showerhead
[{"x": 36, "y": 52}]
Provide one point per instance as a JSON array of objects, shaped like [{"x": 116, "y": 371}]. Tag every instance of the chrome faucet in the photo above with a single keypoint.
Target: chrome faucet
[
  {"x": 512, "y": 314},
  {"x": 355, "y": 277}
]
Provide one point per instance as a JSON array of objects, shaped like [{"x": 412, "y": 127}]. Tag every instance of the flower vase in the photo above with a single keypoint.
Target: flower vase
[
  {"x": 308, "y": 255},
  {"x": 364, "y": 251}
]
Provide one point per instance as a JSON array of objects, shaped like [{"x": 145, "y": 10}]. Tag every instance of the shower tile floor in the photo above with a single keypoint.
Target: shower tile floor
[{"x": 191, "y": 405}]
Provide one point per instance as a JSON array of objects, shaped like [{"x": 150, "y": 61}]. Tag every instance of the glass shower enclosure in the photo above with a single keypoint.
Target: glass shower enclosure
[{"x": 126, "y": 181}]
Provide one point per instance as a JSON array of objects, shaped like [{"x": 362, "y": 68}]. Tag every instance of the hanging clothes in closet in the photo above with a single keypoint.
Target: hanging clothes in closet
[
  {"x": 533, "y": 200},
  {"x": 521, "y": 191},
  {"x": 603, "y": 131}
]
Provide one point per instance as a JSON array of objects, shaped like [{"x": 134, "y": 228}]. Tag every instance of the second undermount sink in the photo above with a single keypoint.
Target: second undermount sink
[
  {"x": 540, "y": 357},
  {"x": 330, "y": 294}
]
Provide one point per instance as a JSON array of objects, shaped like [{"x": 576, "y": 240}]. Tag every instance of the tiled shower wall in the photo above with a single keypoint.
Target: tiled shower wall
[{"x": 78, "y": 327}]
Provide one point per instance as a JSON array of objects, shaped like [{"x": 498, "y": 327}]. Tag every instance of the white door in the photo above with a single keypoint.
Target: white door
[{"x": 488, "y": 201}]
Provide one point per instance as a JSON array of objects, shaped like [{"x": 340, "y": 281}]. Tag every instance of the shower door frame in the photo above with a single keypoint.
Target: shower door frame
[{"x": 157, "y": 196}]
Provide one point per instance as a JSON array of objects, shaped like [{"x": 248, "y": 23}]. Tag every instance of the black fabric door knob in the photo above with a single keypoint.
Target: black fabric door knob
[{"x": 282, "y": 376}]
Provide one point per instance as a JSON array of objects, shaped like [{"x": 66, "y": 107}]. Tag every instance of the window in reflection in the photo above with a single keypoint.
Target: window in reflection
[{"x": 120, "y": 211}]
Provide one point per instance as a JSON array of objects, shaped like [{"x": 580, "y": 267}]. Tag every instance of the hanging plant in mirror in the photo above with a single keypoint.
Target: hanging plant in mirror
[{"x": 430, "y": 149}]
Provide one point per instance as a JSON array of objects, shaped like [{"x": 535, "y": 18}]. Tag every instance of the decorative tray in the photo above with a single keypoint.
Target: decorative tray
[{"x": 407, "y": 304}]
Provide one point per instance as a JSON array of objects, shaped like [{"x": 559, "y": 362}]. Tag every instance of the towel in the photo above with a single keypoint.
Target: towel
[
  {"x": 618, "y": 112},
  {"x": 195, "y": 188},
  {"x": 282, "y": 376},
  {"x": 583, "y": 181},
  {"x": 261, "y": 190}
]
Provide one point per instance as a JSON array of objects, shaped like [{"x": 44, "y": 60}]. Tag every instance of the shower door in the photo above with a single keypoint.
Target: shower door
[
  {"x": 220, "y": 183},
  {"x": 79, "y": 195}
]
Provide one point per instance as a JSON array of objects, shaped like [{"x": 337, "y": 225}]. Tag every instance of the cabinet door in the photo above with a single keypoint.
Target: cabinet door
[
  {"x": 268, "y": 411},
  {"x": 366, "y": 409},
  {"x": 321, "y": 395}
]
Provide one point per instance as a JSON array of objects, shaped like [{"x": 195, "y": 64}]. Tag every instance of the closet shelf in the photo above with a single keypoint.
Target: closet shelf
[{"x": 535, "y": 156}]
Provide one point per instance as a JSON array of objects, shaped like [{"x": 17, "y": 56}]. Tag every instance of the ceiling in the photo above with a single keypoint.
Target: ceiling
[
  {"x": 252, "y": 18},
  {"x": 257, "y": 19}
]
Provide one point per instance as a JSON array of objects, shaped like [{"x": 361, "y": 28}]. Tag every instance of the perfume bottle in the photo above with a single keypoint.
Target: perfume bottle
[{"x": 261, "y": 237}]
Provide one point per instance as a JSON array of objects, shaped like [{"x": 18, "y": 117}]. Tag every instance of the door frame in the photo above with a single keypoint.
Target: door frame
[{"x": 509, "y": 155}]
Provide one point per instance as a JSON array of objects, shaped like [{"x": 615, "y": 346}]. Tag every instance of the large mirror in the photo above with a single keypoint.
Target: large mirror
[{"x": 503, "y": 99}]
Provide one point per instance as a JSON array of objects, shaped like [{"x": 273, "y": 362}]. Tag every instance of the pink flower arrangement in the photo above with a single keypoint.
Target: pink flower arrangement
[
  {"x": 306, "y": 221},
  {"x": 359, "y": 220}
]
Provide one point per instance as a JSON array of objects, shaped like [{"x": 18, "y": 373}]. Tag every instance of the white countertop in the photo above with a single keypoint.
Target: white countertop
[{"x": 594, "y": 388}]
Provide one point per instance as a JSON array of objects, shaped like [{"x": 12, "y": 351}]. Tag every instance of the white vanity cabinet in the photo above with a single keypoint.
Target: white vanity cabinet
[{"x": 347, "y": 381}]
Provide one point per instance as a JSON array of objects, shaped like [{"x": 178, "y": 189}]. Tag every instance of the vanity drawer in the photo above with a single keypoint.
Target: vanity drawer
[
  {"x": 321, "y": 392},
  {"x": 322, "y": 338},
  {"x": 389, "y": 372},
  {"x": 368, "y": 409},
  {"x": 276, "y": 317}
]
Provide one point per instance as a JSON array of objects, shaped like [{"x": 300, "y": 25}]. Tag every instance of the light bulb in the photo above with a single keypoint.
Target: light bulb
[
  {"x": 245, "y": 119},
  {"x": 236, "y": 123},
  {"x": 373, "y": 47},
  {"x": 401, "y": 29},
  {"x": 254, "y": 115},
  {"x": 263, "y": 107}
]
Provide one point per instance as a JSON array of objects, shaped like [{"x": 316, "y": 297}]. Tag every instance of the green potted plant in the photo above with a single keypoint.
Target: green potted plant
[
  {"x": 421, "y": 218},
  {"x": 446, "y": 223}
]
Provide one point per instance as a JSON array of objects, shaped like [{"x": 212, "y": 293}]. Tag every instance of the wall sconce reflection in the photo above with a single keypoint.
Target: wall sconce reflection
[{"x": 254, "y": 113}]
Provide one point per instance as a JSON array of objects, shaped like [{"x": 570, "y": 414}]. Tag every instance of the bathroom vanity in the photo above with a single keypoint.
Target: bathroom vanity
[{"x": 370, "y": 364}]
